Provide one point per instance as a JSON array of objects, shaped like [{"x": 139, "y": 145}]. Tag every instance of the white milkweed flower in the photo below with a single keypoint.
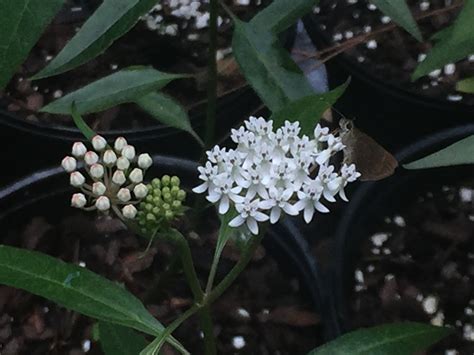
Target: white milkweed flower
[
  {"x": 108, "y": 171},
  {"x": 69, "y": 164},
  {"x": 275, "y": 172}
]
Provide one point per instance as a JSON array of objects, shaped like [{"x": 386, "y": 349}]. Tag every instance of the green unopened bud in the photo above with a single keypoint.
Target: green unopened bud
[
  {"x": 157, "y": 201},
  {"x": 169, "y": 215},
  {"x": 174, "y": 191},
  {"x": 150, "y": 217},
  {"x": 156, "y": 211},
  {"x": 175, "y": 181},
  {"x": 181, "y": 195},
  {"x": 176, "y": 205},
  {"x": 149, "y": 199},
  {"x": 166, "y": 207},
  {"x": 167, "y": 197},
  {"x": 156, "y": 192},
  {"x": 148, "y": 207},
  {"x": 156, "y": 183},
  {"x": 165, "y": 180},
  {"x": 165, "y": 190}
]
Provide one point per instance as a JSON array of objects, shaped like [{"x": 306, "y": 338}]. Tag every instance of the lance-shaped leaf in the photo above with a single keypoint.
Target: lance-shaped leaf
[
  {"x": 390, "y": 339},
  {"x": 118, "y": 340},
  {"x": 466, "y": 85},
  {"x": 75, "y": 288},
  {"x": 21, "y": 24},
  {"x": 267, "y": 66},
  {"x": 111, "y": 20},
  {"x": 281, "y": 14},
  {"x": 453, "y": 44},
  {"x": 459, "y": 153},
  {"x": 308, "y": 110},
  {"x": 400, "y": 13},
  {"x": 166, "y": 110},
  {"x": 127, "y": 85}
]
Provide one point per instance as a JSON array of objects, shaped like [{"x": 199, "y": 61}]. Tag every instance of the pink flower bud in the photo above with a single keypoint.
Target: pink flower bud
[
  {"x": 129, "y": 211},
  {"x": 123, "y": 163},
  {"x": 79, "y": 149},
  {"x": 91, "y": 158},
  {"x": 69, "y": 164},
  {"x": 98, "y": 188},
  {"x": 136, "y": 176},
  {"x": 78, "y": 200},
  {"x": 102, "y": 203},
  {"x": 119, "y": 178},
  {"x": 145, "y": 161},
  {"x": 109, "y": 158},
  {"x": 128, "y": 152},
  {"x": 120, "y": 143},
  {"x": 97, "y": 171},
  {"x": 124, "y": 195},
  {"x": 77, "y": 179},
  {"x": 140, "y": 191},
  {"x": 99, "y": 143}
]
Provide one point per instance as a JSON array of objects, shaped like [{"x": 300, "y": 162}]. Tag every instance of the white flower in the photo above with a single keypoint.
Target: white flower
[
  {"x": 129, "y": 211},
  {"x": 140, "y": 191},
  {"x": 124, "y": 195},
  {"x": 78, "y": 200},
  {"x": 102, "y": 203},
  {"x": 77, "y": 179},
  {"x": 145, "y": 161},
  {"x": 136, "y": 176},
  {"x": 119, "y": 144},
  {"x": 79, "y": 149},
  {"x": 119, "y": 178},
  {"x": 109, "y": 158},
  {"x": 309, "y": 199},
  {"x": 287, "y": 172},
  {"x": 99, "y": 143},
  {"x": 123, "y": 163},
  {"x": 278, "y": 201},
  {"x": 128, "y": 152},
  {"x": 69, "y": 164},
  {"x": 97, "y": 171},
  {"x": 98, "y": 188},
  {"x": 249, "y": 214},
  {"x": 91, "y": 158}
]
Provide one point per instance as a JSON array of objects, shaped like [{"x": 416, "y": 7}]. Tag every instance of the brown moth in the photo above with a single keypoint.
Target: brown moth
[{"x": 371, "y": 159}]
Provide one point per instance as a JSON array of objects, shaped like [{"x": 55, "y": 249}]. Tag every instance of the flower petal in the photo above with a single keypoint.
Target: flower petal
[
  {"x": 253, "y": 225},
  {"x": 237, "y": 221}
]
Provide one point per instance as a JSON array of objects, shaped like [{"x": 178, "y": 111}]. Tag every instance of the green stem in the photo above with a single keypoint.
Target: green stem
[
  {"x": 212, "y": 76},
  {"x": 207, "y": 326}
]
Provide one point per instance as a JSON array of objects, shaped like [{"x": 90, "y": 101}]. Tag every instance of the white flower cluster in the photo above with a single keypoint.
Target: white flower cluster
[
  {"x": 272, "y": 173},
  {"x": 116, "y": 173}
]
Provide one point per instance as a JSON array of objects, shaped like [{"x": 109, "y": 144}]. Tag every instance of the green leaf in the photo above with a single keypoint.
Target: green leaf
[
  {"x": 309, "y": 109},
  {"x": 281, "y": 14},
  {"x": 166, "y": 110},
  {"x": 112, "y": 19},
  {"x": 461, "y": 152},
  {"x": 390, "y": 339},
  {"x": 118, "y": 340},
  {"x": 453, "y": 44},
  {"x": 466, "y": 85},
  {"x": 400, "y": 13},
  {"x": 127, "y": 85},
  {"x": 21, "y": 24},
  {"x": 268, "y": 67},
  {"x": 75, "y": 288}
]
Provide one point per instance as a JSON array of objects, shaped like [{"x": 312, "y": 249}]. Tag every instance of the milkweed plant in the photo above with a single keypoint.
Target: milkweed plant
[{"x": 270, "y": 174}]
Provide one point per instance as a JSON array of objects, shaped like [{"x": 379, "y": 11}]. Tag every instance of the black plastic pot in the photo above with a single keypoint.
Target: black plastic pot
[
  {"x": 391, "y": 114},
  {"x": 48, "y": 191},
  {"x": 370, "y": 202}
]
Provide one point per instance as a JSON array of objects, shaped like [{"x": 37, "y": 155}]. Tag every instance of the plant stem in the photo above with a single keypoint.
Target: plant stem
[
  {"x": 207, "y": 326},
  {"x": 212, "y": 76}
]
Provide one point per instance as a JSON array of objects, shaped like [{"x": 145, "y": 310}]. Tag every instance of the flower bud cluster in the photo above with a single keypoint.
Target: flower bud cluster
[
  {"x": 272, "y": 173},
  {"x": 162, "y": 205},
  {"x": 112, "y": 179}
]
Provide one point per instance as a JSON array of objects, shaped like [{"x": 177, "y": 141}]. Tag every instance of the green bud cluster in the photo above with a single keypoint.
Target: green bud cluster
[{"x": 162, "y": 205}]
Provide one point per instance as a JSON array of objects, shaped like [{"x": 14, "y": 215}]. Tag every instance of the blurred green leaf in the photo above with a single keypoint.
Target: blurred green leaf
[
  {"x": 391, "y": 339},
  {"x": 281, "y": 14},
  {"x": 400, "y": 13},
  {"x": 268, "y": 67},
  {"x": 459, "y": 153},
  {"x": 111, "y": 20},
  {"x": 466, "y": 85},
  {"x": 166, "y": 110},
  {"x": 309, "y": 109},
  {"x": 452, "y": 44},
  {"x": 21, "y": 24},
  {"x": 75, "y": 288},
  {"x": 118, "y": 340},
  {"x": 127, "y": 85}
]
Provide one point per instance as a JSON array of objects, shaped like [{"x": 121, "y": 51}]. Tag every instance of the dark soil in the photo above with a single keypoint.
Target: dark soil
[
  {"x": 264, "y": 312},
  {"x": 418, "y": 266},
  {"x": 140, "y": 46},
  {"x": 392, "y": 56}
]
